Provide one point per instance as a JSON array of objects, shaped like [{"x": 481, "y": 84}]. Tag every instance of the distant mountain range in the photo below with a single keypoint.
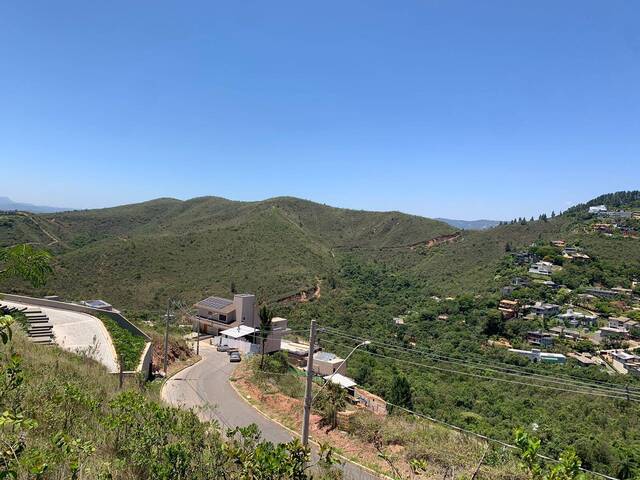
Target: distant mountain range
[
  {"x": 471, "y": 224},
  {"x": 7, "y": 204}
]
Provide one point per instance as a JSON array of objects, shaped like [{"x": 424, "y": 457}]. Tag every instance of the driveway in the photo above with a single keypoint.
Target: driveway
[
  {"x": 75, "y": 331},
  {"x": 205, "y": 387}
]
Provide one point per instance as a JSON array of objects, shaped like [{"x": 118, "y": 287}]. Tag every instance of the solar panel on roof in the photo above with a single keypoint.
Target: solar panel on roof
[{"x": 216, "y": 303}]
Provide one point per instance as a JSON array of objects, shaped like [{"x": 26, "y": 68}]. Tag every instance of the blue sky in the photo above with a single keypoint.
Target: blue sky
[{"x": 463, "y": 109}]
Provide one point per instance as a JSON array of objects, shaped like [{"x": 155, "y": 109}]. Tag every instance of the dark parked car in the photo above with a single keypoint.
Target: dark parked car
[
  {"x": 234, "y": 357},
  {"x": 223, "y": 348}
]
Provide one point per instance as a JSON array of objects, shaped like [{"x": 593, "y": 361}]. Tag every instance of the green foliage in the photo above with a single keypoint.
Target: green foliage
[
  {"x": 612, "y": 200},
  {"x": 568, "y": 468},
  {"x": 128, "y": 345},
  {"x": 265, "y": 328},
  {"x": 330, "y": 402},
  {"x": 400, "y": 394},
  {"x": 25, "y": 262},
  {"x": 138, "y": 255}
]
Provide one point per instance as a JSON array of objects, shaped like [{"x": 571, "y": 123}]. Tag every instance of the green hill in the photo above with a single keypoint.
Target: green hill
[{"x": 138, "y": 255}]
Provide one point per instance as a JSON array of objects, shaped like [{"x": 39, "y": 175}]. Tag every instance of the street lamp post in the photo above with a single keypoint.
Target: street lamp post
[{"x": 308, "y": 399}]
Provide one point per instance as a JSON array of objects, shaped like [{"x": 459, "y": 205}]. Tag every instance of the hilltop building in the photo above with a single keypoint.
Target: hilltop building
[
  {"x": 575, "y": 319},
  {"x": 236, "y": 323},
  {"x": 542, "y": 339},
  {"x": 544, "y": 310},
  {"x": 541, "y": 268},
  {"x": 508, "y": 308},
  {"x": 325, "y": 363},
  {"x": 537, "y": 356},
  {"x": 598, "y": 209}
]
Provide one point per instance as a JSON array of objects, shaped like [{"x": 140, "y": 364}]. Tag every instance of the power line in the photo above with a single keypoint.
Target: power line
[
  {"x": 489, "y": 439},
  {"x": 494, "y": 364},
  {"x": 525, "y": 374},
  {"x": 486, "y": 377},
  {"x": 562, "y": 380}
]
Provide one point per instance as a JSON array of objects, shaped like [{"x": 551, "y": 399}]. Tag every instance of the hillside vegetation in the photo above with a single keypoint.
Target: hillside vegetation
[{"x": 138, "y": 255}]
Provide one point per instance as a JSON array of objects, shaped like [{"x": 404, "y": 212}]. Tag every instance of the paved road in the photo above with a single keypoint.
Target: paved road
[
  {"x": 76, "y": 331},
  {"x": 205, "y": 387}
]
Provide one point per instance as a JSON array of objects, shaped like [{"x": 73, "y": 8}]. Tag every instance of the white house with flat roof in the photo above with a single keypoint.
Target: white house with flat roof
[
  {"x": 325, "y": 363},
  {"x": 537, "y": 356},
  {"x": 598, "y": 209}
]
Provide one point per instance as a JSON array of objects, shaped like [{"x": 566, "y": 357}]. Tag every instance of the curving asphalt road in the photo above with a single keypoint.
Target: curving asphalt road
[{"x": 205, "y": 387}]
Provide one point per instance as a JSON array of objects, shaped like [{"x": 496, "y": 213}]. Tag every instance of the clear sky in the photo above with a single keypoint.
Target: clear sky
[{"x": 465, "y": 109}]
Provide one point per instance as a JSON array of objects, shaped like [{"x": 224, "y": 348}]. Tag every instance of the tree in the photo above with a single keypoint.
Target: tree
[
  {"x": 330, "y": 402},
  {"x": 400, "y": 394},
  {"x": 568, "y": 468},
  {"x": 26, "y": 262},
  {"x": 266, "y": 317}
]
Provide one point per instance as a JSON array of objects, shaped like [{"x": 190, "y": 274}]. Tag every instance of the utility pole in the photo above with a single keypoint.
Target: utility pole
[
  {"x": 308, "y": 390},
  {"x": 198, "y": 341},
  {"x": 166, "y": 339},
  {"x": 121, "y": 372}
]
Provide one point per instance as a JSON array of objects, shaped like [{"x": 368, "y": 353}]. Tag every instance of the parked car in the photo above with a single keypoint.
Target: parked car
[
  {"x": 234, "y": 357},
  {"x": 223, "y": 348}
]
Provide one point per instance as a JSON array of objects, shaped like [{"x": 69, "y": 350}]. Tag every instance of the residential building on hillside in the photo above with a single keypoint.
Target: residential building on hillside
[
  {"x": 616, "y": 214},
  {"x": 248, "y": 340},
  {"x": 507, "y": 291},
  {"x": 558, "y": 243},
  {"x": 522, "y": 258},
  {"x": 297, "y": 352},
  {"x": 624, "y": 362},
  {"x": 544, "y": 310},
  {"x": 325, "y": 363},
  {"x": 622, "y": 322},
  {"x": 541, "y": 268},
  {"x": 623, "y": 291},
  {"x": 604, "y": 227},
  {"x": 537, "y": 356},
  {"x": 348, "y": 384},
  {"x": 236, "y": 323},
  {"x": 598, "y": 209},
  {"x": 574, "y": 253},
  {"x": 613, "y": 332},
  {"x": 583, "y": 359},
  {"x": 214, "y": 314},
  {"x": 551, "y": 284},
  {"x": 542, "y": 339},
  {"x": 626, "y": 359},
  {"x": 508, "y": 308},
  {"x": 602, "y": 292},
  {"x": 520, "y": 282},
  {"x": 575, "y": 319},
  {"x": 566, "y": 332}
]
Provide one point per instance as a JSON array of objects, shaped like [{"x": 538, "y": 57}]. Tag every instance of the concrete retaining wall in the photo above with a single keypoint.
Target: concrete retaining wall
[{"x": 147, "y": 352}]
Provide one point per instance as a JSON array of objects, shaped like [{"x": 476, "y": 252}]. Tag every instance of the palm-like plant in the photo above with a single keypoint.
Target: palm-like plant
[{"x": 265, "y": 328}]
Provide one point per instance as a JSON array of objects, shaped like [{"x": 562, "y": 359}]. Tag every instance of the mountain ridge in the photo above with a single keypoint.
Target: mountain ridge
[
  {"x": 7, "y": 204},
  {"x": 481, "y": 224}
]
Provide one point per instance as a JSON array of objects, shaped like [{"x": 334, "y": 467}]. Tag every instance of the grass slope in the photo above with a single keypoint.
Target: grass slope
[{"x": 138, "y": 255}]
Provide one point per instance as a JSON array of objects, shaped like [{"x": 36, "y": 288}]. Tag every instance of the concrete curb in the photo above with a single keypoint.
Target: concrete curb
[
  {"x": 297, "y": 435},
  {"x": 164, "y": 380}
]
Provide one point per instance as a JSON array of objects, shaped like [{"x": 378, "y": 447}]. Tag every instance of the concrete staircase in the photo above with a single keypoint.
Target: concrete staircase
[{"x": 39, "y": 328}]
